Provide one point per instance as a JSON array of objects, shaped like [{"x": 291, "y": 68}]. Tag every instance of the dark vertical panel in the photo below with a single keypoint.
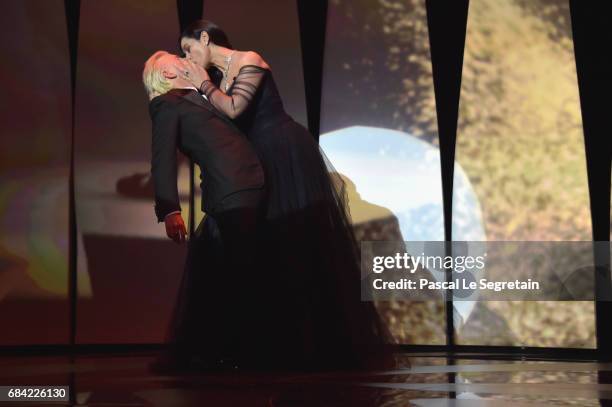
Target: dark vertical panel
[
  {"x": 73, "y": 9},
  {"x": 592, "y": 41},
  {"x": 188, "y": 12},
  {"x": 447, "y": 27},
  {"x": 447, "y": 24},
  {"x": 73, "y": 12},
  {"x": 34, "y": 173},
  {"x": 313, "y": 23}
]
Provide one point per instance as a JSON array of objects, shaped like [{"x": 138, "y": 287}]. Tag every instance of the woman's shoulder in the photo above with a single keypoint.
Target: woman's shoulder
[{"x": 252, "y": 58}]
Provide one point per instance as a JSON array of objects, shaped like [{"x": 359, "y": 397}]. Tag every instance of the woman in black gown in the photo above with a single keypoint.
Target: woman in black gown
[{"x": 311, "y": 311}]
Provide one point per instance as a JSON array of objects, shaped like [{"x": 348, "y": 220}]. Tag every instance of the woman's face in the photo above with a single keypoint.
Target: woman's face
[{"x": 196, "y": 52}]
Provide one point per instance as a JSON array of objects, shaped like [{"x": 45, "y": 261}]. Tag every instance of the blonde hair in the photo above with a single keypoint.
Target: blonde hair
[{"x": 152, "y": 76}]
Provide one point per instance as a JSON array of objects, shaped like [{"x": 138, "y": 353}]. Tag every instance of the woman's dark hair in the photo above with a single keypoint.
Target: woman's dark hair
[
  {"x": 217, "y": 36},
  {"x": 215, "y": 33}
]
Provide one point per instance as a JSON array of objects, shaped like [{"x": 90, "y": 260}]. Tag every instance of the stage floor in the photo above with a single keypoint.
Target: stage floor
[{"x": 433, "y": 380}]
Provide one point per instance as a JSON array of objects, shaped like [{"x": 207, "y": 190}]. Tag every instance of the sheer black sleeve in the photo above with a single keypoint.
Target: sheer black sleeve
[{"x": 243, "y": 90}]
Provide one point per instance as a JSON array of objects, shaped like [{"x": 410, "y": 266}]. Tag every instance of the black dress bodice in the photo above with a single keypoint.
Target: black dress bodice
[{"x": 265, "y": 109}]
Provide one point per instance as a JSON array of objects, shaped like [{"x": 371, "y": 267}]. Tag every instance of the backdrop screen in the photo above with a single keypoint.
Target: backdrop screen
[{"x": 34, "y": 171}]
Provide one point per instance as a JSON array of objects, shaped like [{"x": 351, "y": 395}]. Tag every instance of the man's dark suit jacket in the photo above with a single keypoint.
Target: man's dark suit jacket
[{"x": 183, "y": 119}]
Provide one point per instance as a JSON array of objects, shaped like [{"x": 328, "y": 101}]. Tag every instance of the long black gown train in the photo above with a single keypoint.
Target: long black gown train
[{"x": 304, "y": 308}]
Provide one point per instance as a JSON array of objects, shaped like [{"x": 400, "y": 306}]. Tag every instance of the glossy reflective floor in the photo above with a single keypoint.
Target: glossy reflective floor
[{"x": 432, "y": 380}]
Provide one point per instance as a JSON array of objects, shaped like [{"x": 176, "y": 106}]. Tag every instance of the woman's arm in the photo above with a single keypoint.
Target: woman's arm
[{"x": 245, "y": 85}]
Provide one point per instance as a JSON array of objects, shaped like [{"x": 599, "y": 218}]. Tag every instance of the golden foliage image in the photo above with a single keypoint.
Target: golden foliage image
[{"x": 519, "y": 142}]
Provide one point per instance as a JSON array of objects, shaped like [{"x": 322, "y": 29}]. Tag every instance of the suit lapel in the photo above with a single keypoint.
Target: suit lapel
[{"x": 194, "y": 97}]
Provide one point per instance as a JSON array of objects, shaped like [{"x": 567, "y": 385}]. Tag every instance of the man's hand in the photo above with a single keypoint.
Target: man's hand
[
  {"x": 175, "y": 227},
  {"x": 193, "y": 73}
]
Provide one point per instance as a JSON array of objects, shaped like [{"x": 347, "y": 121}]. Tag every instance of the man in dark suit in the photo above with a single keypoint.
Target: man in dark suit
[
  {"x": 232, "y": 182},
  {"x": 232, "y": 176}
]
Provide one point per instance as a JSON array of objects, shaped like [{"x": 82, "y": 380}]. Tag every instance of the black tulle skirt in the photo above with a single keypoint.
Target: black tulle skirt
[{"x": 300, "y": 306}]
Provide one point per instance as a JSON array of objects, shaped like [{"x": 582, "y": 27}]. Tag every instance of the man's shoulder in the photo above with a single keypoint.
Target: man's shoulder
[
  {"x": 169, "y": 100},
  {"x": 173, "y": 95}
]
